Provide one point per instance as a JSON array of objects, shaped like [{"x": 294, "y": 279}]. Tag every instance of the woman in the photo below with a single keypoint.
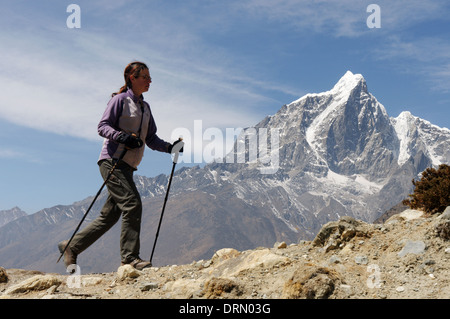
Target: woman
[{"x": 126, "y": 124}]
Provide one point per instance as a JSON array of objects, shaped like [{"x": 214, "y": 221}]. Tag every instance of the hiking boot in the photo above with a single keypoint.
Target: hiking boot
[
  {"x": 69, "y": 256},
  {"x": 139, "y": 264}
]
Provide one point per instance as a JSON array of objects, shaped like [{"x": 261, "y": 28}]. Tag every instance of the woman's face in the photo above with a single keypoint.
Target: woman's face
[{"x": 141, "y": 83}]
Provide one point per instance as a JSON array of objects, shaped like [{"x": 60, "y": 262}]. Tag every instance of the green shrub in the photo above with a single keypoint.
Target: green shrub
[{"x": 432, "y": 191}]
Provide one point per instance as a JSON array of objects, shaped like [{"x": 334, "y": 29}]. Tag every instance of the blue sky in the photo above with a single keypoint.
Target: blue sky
[{"x": 227, "y": 63}]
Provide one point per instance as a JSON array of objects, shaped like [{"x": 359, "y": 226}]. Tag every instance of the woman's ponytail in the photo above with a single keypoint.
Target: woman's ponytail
[{"x": 133, "y": 68}]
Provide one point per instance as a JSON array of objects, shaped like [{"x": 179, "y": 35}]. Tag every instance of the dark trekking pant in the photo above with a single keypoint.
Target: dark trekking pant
[{"x": 123, "y": 199}]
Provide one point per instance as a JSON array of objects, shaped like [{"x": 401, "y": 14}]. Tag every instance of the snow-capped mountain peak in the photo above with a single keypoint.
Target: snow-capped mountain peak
[
  {"x": 339, "y": 150},
  {"x": 348, "y": 82},
  {"x": 347, "y": 119}
]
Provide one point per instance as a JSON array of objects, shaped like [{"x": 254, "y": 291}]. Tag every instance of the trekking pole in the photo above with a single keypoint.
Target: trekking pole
[
  {"x": 177, "y": 148},
  {"x": 95, "y": 198}
]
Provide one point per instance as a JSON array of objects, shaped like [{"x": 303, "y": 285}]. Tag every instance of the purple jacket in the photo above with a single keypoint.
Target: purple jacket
[{"x": 131, "y": 114}]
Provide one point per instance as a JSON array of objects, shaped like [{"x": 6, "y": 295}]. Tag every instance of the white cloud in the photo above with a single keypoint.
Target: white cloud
[
  {"x": 60, "y": 80},
  {"x": 345, "y": 17},
  {"x": 47, "y": 91}
]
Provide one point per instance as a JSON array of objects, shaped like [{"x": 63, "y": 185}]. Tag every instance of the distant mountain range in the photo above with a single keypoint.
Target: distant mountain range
[
  {"x": 333, "y": 154},
  {"x": 9, "y": 215}
]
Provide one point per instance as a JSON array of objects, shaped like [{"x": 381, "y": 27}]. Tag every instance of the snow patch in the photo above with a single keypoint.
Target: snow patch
[{"x": 402, "y": 126}]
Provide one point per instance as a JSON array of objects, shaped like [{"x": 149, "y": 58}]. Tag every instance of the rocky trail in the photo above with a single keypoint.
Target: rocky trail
[{"x": 406, "y": 257}]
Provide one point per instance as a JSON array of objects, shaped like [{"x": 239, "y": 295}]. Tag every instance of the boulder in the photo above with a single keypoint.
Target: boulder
[
  {"x": 410, "y": 214},
  {"x": 314, "y": 282},
  {"x": 221, "y": 287},
  {"x": 442, "y": 229},
  {"x": 335, "y": 233},
  {"x": 248, "y": 261},
  {"x": 127, "y": 272},
  {"x": 224, "y": 254},
  {"x": 35, "y": 283},
  {"x": 412, "y": 247}
]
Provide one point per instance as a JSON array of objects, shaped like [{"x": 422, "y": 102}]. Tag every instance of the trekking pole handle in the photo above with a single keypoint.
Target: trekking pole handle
[{"x": 176, "y": 150}]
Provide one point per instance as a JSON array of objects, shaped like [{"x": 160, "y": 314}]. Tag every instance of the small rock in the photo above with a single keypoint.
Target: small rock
[
  {"x": 3, "y": 275},
  {"x": 348, "y": 234},
  {"x": 126, "y": 272},
  {"x": 334, "y": 259},
  {"x": 280, "y": 245},
  {"x": 400, "y": 289},
  {"x": 224, "y": 254},
  {"x": 146, "y": 286},
  {"x": 412, "y": 247},
  {"x": 410, "y": 214},
  {"x": 429, "y": 262},
  {"x": 346, "y": 250},
  {"x": 362, "y": 260},
  {"x": 332, "y": 244},
  {"x": 442, "y": 229},
  {"x": 52, "y": 289},
  {"x": 91, "y": 281},
  {"x": 445, "y": 214}
]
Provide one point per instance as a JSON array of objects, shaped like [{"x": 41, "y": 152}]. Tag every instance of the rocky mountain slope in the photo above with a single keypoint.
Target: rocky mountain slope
[
  {"x": 406, "y": 257},
  {"x": 9, "y": 215},
  {"x": 338, "y": 153}
]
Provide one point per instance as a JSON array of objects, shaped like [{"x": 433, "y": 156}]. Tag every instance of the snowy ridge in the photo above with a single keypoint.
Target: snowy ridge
[
  {"x": 402, "y": 127},
  {"x": 415, "y": 133}
]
